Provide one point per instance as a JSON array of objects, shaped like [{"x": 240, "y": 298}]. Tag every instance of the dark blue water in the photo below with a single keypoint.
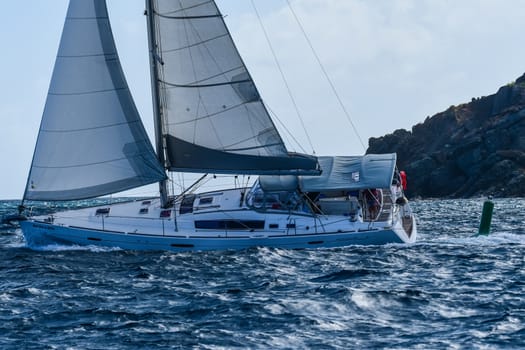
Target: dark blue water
[{"x": 450, "y": 290}]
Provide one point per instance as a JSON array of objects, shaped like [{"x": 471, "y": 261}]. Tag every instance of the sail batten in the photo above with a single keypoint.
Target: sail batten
[
  {"x": 209, "y": 104},
  {"x": 91, "y": 140},
  {"x": 188, "y": 17},
  {"x": 84, "y": 92},
  {"x": 198, "y": 85}
]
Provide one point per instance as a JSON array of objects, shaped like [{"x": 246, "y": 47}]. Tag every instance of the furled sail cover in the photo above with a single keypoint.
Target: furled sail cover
[
  {"x": 351, "y": 173},
  {"x": 91, "y": 140},
  {"x": 214, "y": 119}
]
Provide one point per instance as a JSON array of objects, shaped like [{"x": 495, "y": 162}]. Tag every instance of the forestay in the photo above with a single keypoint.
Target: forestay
[
  {"x": 91, "y": 140},
  {"x": 213, "y": 117}
]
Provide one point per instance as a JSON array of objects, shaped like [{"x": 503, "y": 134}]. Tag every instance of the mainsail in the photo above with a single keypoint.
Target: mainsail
[
  {"x": 213, "y": 118},
  {"x": 91, "y": 140}
]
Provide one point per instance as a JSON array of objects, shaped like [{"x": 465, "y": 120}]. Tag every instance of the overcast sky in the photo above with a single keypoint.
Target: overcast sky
[{"x": 393, "y": 62}]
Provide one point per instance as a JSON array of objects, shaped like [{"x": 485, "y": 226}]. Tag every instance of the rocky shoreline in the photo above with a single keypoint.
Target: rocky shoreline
[{"x": 473, "y": 149}]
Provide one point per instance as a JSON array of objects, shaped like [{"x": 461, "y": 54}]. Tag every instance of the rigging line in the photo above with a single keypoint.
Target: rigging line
[
  {"x": 285, "y": 128},
  {"x": 193, "y": 186},
  {"x": 283, "y": 77},
  {"x": 326, "y": 75}
]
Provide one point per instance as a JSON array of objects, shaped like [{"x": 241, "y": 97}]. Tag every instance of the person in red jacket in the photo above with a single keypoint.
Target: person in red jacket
[{"x": 403, "y": 176}]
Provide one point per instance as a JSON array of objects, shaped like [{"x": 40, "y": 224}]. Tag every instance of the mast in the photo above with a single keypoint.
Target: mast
[
  {"x": 154, "y": 58},
  {"x": 213, "y": 117}
]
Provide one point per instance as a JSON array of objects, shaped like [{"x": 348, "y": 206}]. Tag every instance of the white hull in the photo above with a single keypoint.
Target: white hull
[{"x": 217, "y": 225}]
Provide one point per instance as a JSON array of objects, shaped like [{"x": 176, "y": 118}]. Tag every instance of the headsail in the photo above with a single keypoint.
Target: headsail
[
  {"x": 91, "y": 140},
  {"x": 213, "y": 117}
]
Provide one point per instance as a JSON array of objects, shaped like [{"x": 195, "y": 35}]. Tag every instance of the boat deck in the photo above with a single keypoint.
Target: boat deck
[{"x": 147, "y": 218}]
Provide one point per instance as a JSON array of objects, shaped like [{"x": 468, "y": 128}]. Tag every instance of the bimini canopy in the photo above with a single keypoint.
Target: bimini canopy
[
  {"x": 340, "y": 174},
  {"x": 351, "y": 173}
]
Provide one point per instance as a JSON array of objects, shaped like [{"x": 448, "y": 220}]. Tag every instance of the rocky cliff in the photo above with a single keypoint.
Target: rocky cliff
[{"x": 473, "y": 149}]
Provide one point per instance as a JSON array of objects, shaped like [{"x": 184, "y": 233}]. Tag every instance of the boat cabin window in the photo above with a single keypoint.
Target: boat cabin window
[
  {"x": 102, "y": 211},
  {"x": 205, "y": 200},
  {"x": 229, "y": 224},
  {"x": 186, "y": 205},
  {"x": 165, "y": 213},
  {"x": 257, "y": 198}
]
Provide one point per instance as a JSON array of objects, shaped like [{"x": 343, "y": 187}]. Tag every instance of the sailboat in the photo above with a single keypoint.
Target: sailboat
[{"x": 209, "y": 118}]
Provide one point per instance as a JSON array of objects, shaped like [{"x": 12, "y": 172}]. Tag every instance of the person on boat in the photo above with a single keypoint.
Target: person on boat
[
  {"x": 354, "y": 209},
  {"x": 351, "y": 194},
  {"x": 373, "y": 201},
  {"x": 403, "y": 177},
  {"x": 395, "y": 189}
]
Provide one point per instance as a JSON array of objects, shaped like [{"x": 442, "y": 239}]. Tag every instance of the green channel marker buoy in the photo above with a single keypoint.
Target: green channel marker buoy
[{"x": 486, "y": 218}]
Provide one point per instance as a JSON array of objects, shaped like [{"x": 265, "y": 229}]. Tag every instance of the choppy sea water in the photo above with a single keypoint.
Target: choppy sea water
[{"x": 452, "y": 289}]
